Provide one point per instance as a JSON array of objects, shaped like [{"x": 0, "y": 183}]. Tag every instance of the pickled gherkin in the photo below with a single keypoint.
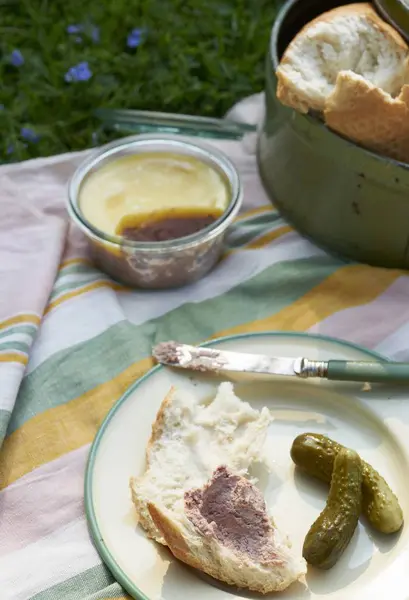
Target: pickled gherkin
[
  {"x": 332, "y": 531},
  {"x": 316, "y": 453}
]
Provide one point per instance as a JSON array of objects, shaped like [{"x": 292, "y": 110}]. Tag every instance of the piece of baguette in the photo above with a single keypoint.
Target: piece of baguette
[
  {"x": 349, "y": 38},
  {"x": 189, "y": 440},
  {"x": 369, "y": 116},
  {"x": 226, "y": 532}
]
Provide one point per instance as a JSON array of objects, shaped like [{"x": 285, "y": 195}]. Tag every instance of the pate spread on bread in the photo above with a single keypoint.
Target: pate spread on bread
[{"x": 196, "y": 495}]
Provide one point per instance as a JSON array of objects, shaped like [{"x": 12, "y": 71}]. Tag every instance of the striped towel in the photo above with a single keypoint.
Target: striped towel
[{"x": 71, "y": 342}]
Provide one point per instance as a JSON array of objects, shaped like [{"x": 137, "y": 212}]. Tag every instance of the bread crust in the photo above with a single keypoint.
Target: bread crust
[
  {"x": 285, "y": 89},
  {"x": 367, "y": 115},
  {"x": 174, "y": 538},
  {"x": 360, "y": 9},
  {"x": 158, "y": 425},
  {"x": 232, "y": 573},
  {"x": 141, "y": 510},
  {"x": 289, "y": 97}
]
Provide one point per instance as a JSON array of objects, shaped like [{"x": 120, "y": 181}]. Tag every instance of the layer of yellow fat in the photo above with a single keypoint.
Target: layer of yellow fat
[{"x": 151, "y": 184}]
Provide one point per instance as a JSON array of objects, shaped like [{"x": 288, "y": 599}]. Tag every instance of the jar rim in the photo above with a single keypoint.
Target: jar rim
[{"x": 147, "y": 142}]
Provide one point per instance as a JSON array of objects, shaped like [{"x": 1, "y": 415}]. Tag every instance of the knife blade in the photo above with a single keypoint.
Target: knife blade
[
  {"x": 210, "y": 359},
  {"x": 207, "y": 359}
]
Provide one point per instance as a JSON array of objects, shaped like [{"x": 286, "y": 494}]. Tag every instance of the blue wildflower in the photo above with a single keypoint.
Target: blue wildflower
[
  {"x": 74, "y": 29},
  {"x": 135, "y": 38},
  {"x": 1, "y": 106},
  {"x": 16, "y": 58},
  {"x": 29, "y": 134},
  {"x": 10, "y": 149},
  {"x": 91, "y": 30},
  {"x": 80, "y": 72}
]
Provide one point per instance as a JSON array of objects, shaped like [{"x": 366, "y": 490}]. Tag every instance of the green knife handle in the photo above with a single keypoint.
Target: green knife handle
[{"x": 376, "y": 372}]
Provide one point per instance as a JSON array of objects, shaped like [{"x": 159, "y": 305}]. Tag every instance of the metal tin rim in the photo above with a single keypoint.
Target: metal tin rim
[
  {"x": 207, "y": 153},
  {"x": 274, "y": 59},
  {"x": 399, "y": 7}
]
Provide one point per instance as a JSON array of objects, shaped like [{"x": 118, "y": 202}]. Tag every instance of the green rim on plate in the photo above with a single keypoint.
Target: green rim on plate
[{"x": 99, "y": 542}]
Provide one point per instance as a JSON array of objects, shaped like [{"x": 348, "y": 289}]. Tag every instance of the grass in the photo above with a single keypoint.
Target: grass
[{"x": 196, "y": 57}]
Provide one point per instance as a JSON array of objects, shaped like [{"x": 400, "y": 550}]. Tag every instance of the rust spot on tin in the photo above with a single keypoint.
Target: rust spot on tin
[{"x": 355, "y": 208}]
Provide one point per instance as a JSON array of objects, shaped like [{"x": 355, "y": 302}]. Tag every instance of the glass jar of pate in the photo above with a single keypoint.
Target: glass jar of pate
[{"x": 138, "y": 261}]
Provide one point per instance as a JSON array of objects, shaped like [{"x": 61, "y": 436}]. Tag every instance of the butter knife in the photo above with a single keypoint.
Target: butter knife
[{"x": 183, "y": 356}]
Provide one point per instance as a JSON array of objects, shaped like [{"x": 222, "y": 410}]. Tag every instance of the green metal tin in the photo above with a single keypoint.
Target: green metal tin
[
  {"x": 352, "y": 202},
  {"x": 396, "y": 12}
]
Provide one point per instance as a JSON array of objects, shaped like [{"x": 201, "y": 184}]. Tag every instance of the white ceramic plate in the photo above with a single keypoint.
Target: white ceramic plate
[{"x": 373, "y": 420}]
